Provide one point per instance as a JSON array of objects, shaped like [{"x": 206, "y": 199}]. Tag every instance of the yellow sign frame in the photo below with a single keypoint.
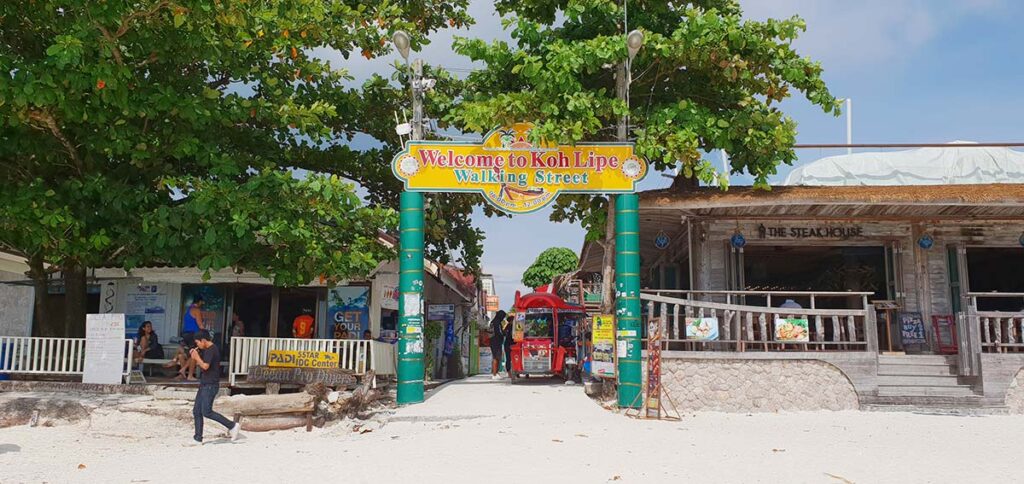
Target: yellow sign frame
[
  {"x": 302, "y": 359},
  {"x": 514, "y": 175}
]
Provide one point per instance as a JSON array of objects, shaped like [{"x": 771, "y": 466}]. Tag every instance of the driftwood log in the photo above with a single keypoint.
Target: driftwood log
[
  {"x": 253, "y": 423},
  {"x": 264, "y": 404}
]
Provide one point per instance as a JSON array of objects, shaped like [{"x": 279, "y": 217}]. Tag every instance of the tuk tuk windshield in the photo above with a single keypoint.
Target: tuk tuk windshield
[{"x": 538, "y": 323}]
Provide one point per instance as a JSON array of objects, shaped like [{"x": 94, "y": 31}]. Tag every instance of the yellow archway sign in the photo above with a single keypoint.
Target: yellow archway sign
[{"x": 514, "y": 175}]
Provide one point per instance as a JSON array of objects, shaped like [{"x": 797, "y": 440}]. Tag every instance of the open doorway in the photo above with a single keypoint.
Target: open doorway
[
  {"x": 252, "y": 305},
  {"x": 817, "y": 268},
  {"x": 293, "y": 303},
  {"x": 996, "y": 269}
]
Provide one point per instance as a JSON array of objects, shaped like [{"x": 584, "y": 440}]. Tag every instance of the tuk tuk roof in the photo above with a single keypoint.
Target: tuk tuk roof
[{"x": 543, "y": 300}]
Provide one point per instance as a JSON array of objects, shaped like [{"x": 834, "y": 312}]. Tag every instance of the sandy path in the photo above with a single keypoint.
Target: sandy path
[{"x": 481, "y": 431}]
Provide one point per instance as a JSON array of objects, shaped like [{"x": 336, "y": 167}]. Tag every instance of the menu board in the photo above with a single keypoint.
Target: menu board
[
  {"x": 104, "y": 349},
  {"x": 791, "y": 329},
  {"x": 702, "y": 329},
  {"x": 912, "y": 328},
  {"x": 603, "y": 339}
]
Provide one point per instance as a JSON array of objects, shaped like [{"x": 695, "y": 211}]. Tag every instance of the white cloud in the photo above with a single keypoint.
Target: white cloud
[{"x": 853, "y": 34}]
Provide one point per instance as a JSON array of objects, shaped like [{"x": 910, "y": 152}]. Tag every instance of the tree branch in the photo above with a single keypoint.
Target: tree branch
[
  {"x": 44, "y": 121},
  {"x": 126, "y": 23}
]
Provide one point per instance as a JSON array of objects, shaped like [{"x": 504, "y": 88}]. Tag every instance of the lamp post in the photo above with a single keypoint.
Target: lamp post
[
  {"x": 410, "y": 257},
  {"x": 627, "y": 256}
]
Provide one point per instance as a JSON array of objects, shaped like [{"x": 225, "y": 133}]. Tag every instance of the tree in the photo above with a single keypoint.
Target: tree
[
  {"x": 120, "y": 120},
  {"x": 550, "y": 263},
  {"x": 705, "y": 79}
]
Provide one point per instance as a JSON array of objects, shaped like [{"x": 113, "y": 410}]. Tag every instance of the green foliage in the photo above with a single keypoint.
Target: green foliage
[
  {"x": 704, "y": 79},
  {"x": 550, "y": 263},
  {"x": 164, "y": 132}
]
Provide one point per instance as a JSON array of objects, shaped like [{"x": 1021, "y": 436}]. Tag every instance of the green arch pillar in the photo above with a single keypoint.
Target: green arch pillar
[
  {"x": 627, "y": 298},
  {"x": 410, "y": 288}
]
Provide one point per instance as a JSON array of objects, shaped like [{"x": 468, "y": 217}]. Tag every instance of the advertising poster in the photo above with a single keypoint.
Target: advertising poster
[
  {"x": 213, "y": 305},
  {"x": 104, "y": 349},
  {"x": 791, "y": 329},
  {"x": 145, "y": 302},
  {"x": 603, "y": 338},
  {"x": 348, "y": 307},
  {"x": 702, "y": 329},
  {"x": 445, "y": 314},
  {"x": 386, "y": 290}
]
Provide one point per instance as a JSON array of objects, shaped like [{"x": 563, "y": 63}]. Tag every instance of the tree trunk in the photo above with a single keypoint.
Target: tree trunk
[
  {"x": 43, "y": 326},
  {"x": 685, "y": 184},
  {"x": 75, "y": 300},
  {"x": 608, "y": 261}
]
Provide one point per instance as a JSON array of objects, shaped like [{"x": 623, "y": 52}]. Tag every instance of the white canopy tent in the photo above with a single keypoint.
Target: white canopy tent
[{"x": 957, "y": 164}]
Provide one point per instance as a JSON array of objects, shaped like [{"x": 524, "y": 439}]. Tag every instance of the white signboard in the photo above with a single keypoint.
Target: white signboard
[
  {"x": 104, "y": 348},
  {"x": 485, "y": 361}
]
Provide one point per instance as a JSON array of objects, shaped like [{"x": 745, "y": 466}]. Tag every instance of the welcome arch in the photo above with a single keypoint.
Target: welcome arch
[{"x": 517, "y": 177}]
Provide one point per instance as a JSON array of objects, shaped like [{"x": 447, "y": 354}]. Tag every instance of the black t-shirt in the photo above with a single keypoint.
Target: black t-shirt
[{"x": 210, "y": 356}]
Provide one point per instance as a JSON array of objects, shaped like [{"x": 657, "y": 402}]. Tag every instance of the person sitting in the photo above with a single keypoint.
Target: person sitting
[
  {"x": 367, "y": 334},
  {"x": 147, "y": 344}
]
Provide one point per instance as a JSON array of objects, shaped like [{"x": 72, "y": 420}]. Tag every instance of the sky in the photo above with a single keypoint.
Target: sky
[{"x": 917, "y": 71}]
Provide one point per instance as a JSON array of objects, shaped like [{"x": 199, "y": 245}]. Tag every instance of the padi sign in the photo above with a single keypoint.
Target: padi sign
[{"x": 513, "y": 174}]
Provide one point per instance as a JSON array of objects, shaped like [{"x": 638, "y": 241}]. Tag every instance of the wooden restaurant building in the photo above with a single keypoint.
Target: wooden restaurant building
[{"x": 905, "y": 269}]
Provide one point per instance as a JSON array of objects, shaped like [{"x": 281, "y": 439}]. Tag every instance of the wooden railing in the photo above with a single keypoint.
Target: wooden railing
[
  {"x": 357, "y": 356},
  {"x": 48, "y": 356},
  {"x": 751, "y": 327}
]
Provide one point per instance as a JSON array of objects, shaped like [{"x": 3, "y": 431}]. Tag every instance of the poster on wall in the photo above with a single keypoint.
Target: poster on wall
[
  {"x": 348, "y": 308},
  {"x": 104, "y": 349},
  {"x": 386, "y": 290},
  {"x": 212, "y": 309},
  {"x": 791, "y": 329},
  {"x": 444, "y": 314},
  {"x": 145, "y": 302},
  {"x": 702, "y": 329},
  {"x": 603, "y": 340}
]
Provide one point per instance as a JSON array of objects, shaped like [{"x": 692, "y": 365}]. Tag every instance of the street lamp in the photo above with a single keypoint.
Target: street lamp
[
  {"x": 401, "y": 41},
  {"x": 410, "y": 369},
  {"x": 634, "y": 40}
]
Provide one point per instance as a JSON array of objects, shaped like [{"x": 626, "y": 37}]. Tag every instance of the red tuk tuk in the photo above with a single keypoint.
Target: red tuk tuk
[{"x": 543, "y": 336}]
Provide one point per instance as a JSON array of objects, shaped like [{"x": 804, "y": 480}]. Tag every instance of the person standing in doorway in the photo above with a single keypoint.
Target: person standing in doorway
[
  {"x": 497, "y": 343},
  {"x": 302, "y": 326},
  {"x": 206, "y": 357}
]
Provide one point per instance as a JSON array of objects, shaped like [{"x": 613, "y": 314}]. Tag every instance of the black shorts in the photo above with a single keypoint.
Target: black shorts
[
  {"x": 188, "y": 340},
  {"x": 495, "y": 350}
]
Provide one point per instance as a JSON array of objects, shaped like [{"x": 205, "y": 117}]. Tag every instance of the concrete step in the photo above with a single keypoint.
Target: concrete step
[
  {"x": 918, "y": 381},
  {"x": 916, "y": 360},
  {"x": 921, "y": 370},
  {"x": 970, "y": 405},
  {"x": 925, "y": 391}
]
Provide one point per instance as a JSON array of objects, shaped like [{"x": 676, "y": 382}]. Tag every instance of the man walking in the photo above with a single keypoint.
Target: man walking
[{"x": 207, "y": 357}]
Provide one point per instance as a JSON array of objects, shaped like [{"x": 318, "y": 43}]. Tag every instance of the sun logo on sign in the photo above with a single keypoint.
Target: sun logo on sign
[
  {"x": 408, "y": 165},
  {"x": 632, "y": 168}
]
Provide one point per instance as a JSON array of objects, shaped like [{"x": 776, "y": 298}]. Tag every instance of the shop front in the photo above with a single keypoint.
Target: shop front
[{"x": 871, "y": 281}]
